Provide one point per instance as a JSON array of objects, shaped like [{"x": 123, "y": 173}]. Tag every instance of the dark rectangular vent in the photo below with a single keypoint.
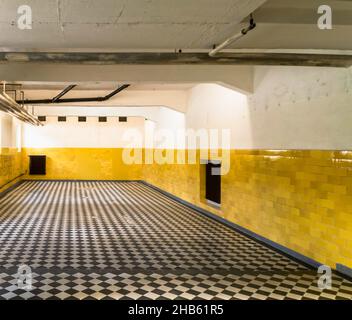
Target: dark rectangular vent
[
  {"x": 82, "y": 119},
  {"x": 37, "y": 165},
  {"x": 61, "y": 119},
  {"x": 122, "y": 119},
  {"x": 213, "y": 182},
  {"x": 42, "y": 118},
  {"x": 103, "y": 119}
]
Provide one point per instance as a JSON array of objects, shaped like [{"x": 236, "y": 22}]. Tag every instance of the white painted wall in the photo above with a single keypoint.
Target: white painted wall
[
  {"x": 10, "y": 131},
  {"x": 162, "y": 115},
  {"x": 292, "y": 108},
  {"x": 211, "y": 106},
  {"x": 92, "y": 134},
  {"x": 74, "y": 134}
]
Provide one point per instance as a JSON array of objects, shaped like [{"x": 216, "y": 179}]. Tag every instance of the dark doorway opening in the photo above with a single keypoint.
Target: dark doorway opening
[{"x": 213, "y": 182}]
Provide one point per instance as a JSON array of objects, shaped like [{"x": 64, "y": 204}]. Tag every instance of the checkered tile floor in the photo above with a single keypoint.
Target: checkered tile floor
[{"x": 124, "y": 240}]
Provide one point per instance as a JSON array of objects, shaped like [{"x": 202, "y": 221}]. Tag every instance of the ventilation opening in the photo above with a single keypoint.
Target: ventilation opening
[
  {"x": 213, "y": 183},
  {"x": 42, "y": 118},
  {"x": 61, "y": 119},
  {"x": 102, "y": 119},
  {"x": 82, "y": 119},
  {"x": 37, "y": 165},
  {"x": 122, "y": 119}
]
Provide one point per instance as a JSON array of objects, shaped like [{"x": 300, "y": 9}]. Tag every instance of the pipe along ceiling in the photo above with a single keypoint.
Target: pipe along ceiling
[
  {"x": 10, "y": 106},
  {"x": 58, "y": 98},
  {"x": 13, "y": 107}
]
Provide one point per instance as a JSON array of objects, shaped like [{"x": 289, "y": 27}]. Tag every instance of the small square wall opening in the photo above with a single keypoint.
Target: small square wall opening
[{"x": 37, "y": 164}]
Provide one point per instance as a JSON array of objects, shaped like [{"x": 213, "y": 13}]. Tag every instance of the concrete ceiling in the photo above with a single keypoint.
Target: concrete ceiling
[
  {"x": 292, "y": 24},
  {"x": 122, "y": 24},
  {"x": 108, "y": 25},
  {"x": 164, "y": 26}
]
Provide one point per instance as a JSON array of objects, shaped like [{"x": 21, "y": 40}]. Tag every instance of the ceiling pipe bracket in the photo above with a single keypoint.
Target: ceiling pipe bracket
[{"x": 233, "y": 38}]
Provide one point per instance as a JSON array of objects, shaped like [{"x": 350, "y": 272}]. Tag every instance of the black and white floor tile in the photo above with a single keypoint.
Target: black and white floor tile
[{"x": 124, "y": 240}]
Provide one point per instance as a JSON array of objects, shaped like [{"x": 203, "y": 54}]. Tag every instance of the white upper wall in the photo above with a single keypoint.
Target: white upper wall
[
  {"x": 211, "y": 106},
  {"x": 302, "y": 108},
  {"x": 90, "y": 134},
  {"x": 10, "y": 131},
  {"x": 94, "y": 134},
  {"x": 292, "y": 108}
]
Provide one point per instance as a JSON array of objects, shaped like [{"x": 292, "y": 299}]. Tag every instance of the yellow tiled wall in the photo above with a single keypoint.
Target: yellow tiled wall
[
  {"x": 299, "y": 199},
  {"x": 83, "y": 164},
  {"x": 10, "y": 167}
]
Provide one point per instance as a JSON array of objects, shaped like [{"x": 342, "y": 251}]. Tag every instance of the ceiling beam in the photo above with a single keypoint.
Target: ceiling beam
[
  {"x": 237, "y": 77},
  {"x": 164, "y": 58}
]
